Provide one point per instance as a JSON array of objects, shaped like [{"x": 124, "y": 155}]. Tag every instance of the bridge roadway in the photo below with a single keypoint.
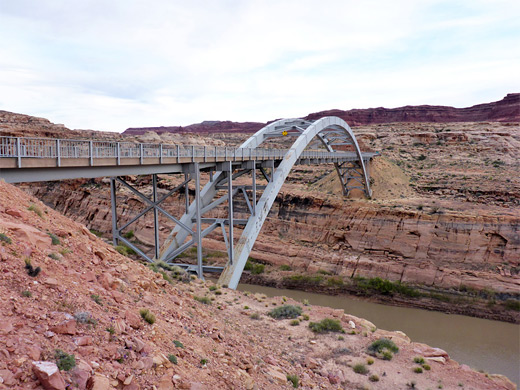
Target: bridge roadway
[{"x": 25, "y": 159}]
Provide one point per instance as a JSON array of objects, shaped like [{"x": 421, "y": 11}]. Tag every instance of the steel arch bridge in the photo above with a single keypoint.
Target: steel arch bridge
[
  {"x": 45, "y": 159},
  {"x": 333, "y": 132}
]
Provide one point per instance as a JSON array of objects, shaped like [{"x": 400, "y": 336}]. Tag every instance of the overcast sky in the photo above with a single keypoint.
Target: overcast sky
[{"x": 114, "y": 64}]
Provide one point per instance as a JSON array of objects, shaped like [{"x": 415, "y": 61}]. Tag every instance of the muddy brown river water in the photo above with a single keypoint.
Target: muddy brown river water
[{"x": 492, "y": 346}]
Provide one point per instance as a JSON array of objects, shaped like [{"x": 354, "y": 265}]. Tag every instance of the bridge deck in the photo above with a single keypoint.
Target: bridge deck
[{"x": 45, "y": 159}]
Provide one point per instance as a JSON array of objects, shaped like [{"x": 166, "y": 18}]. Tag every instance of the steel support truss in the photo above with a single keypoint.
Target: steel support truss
[
  {"x": 333, "y": 133},
  {"x": 229, "y": 180}
]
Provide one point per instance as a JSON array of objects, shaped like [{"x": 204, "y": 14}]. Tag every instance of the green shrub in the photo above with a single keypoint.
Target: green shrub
[
  {"x": 26, "y": 294},
  {"x": 254, "y": 316},
  {"x": 294, "y": 322},
  {"x": 373, "y": 378},
  {"x": 294, "y": 380},
  {"x": 65, "y": 251},
  {"x": 178, "y": 344},
  {"x": 203, "y": 362},
  {"x": 418, "y": 370},
  {"x": 129, "y": 235},
  {"x": 96, "y": 233},
  {"x": 96, "y": 298},
  {"x": 370, "y": 361},
  {"x": 147, "y": 315},
  {"x": 305, "y": 317},
  {"x": 64, "y": 361},
  {"x": 111, "y": 330},
  {"x": 334, "y": 281},
  {"x": 54, "y": 239},
  {"x": 285, "y": 267},
  {"x": 54, "y": 256},
  {"x": 4, "y": 238},
  {"x": 172, "y": 358},
  {"x": 326, "y": 325},
  {"x": 204, "y": 300},
  {"x": 258, "y": 269},
  {"x": 35, "y": 209},
  {"x": 418, "y": 360},
  {"x": 360, "y": 368},
  {"x": 383, "y": 349},
  {"x": 286, "y": 311},
  {"x": 303, "y": 280},
  {"x": 512, "y": 304},
  {"x": 212, "y": 288},
  {"x": 426, "y": 367}
]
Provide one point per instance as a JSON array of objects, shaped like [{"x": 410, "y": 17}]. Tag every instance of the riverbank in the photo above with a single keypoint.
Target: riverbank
[{"x": 467, "y": 303}]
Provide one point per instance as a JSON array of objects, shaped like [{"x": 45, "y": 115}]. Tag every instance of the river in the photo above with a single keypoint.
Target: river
[{"x": 492, "y": 346}]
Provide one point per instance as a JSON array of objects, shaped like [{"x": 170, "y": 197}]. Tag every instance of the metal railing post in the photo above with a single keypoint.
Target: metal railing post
[
  {"x": 160, "y": 154},
  {"x": 118, "y": 154},
  {"x": 18, "y": 153},
  {"x": 58, "y": 154},
  {"x": 193, "y": 153},
  {"x": 141, "y": 157},
  {"x": 178, "y": 154},
  {"x": 91, "y": 153}
]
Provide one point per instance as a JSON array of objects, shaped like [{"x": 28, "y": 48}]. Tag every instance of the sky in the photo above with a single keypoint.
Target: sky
[{"x": 113, "y": 64}]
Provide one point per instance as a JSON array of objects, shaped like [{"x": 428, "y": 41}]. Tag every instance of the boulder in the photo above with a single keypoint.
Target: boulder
[{"x": 48, "y": 375}]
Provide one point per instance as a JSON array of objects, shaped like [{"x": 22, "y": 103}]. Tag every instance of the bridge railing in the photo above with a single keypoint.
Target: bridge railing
[{"x": 24, "y": 147}]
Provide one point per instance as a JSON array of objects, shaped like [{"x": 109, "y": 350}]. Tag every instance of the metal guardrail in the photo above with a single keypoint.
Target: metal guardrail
[{"x": 23, "y": 147}]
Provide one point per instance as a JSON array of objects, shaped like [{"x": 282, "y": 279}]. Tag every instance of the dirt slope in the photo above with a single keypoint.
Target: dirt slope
[{"x": 86, "y": 302}]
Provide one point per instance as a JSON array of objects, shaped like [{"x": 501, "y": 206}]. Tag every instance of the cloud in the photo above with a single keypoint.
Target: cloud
[{"x": 118, "y": 64}]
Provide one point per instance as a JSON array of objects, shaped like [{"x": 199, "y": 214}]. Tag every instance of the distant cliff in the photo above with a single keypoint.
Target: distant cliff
[{"x": 505, "y": 110}]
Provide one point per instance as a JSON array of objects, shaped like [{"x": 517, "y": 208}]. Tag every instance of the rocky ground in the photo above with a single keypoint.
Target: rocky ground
[{"x": 69, "y": 298}]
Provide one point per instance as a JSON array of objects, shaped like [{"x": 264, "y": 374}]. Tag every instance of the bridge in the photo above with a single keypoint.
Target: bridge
[{"x": 44, "y": 159}]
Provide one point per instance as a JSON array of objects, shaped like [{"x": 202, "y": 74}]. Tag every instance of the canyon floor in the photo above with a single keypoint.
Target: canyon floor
[{"x": 70, "y": 299}]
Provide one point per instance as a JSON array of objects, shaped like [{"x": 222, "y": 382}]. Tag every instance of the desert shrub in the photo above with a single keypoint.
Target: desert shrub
[
  {"x": 204, "y": 300},
  {"x": 303, "y": 280},
  {"x": 36, "y": 210},
  {"x": 96, "y": 298},
  {"x": 84, "y": 317},
  {"x": 54, "y": 239},
  {"x": 421, "y": 157},
  {"x": 96, "y": 233},
  {"x": 172, "y": 358},
  {"x": 26, "y": 294},
  {"x": 334, "y": 281},
  {"x": 360, "y": 368},
  {"x": 178, "y": 344},
  {"x": 294, "y": 322},
  {"x": 203, "y": 362},
  {"x": 383, "y": 349},
  {"x": 129, "y": 234},
  {"x": 370, "y": 361},
  {"x": 418, "y": 360},
  {"x": 65, "y": 251},
  {"x": 54, "y": 256},
  {"x": 4, "y": 238},
  {"x": 418, "y": 370},
  {"x": 30, "y": 270},
  {"x": 374, "y": 378},
  {"x": 286, "y": 311},
  {"x": 285, "y": 267},
  {"x": 254, "y": 316},
  {"x": 426, "y": 367},
  {"x": 64, "y": 361},
  {"x": 326, "y": 325},
  {"x": 111, "y": 330},
  {"x": 294, "y": 380},
  {"x": 512, "y": 304},
  {"x": 258, "y": 269},
  {"x": 212, "y": 288},
  {"x": 147, "y": 315},
  {"x": 305, "y": 317}
]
